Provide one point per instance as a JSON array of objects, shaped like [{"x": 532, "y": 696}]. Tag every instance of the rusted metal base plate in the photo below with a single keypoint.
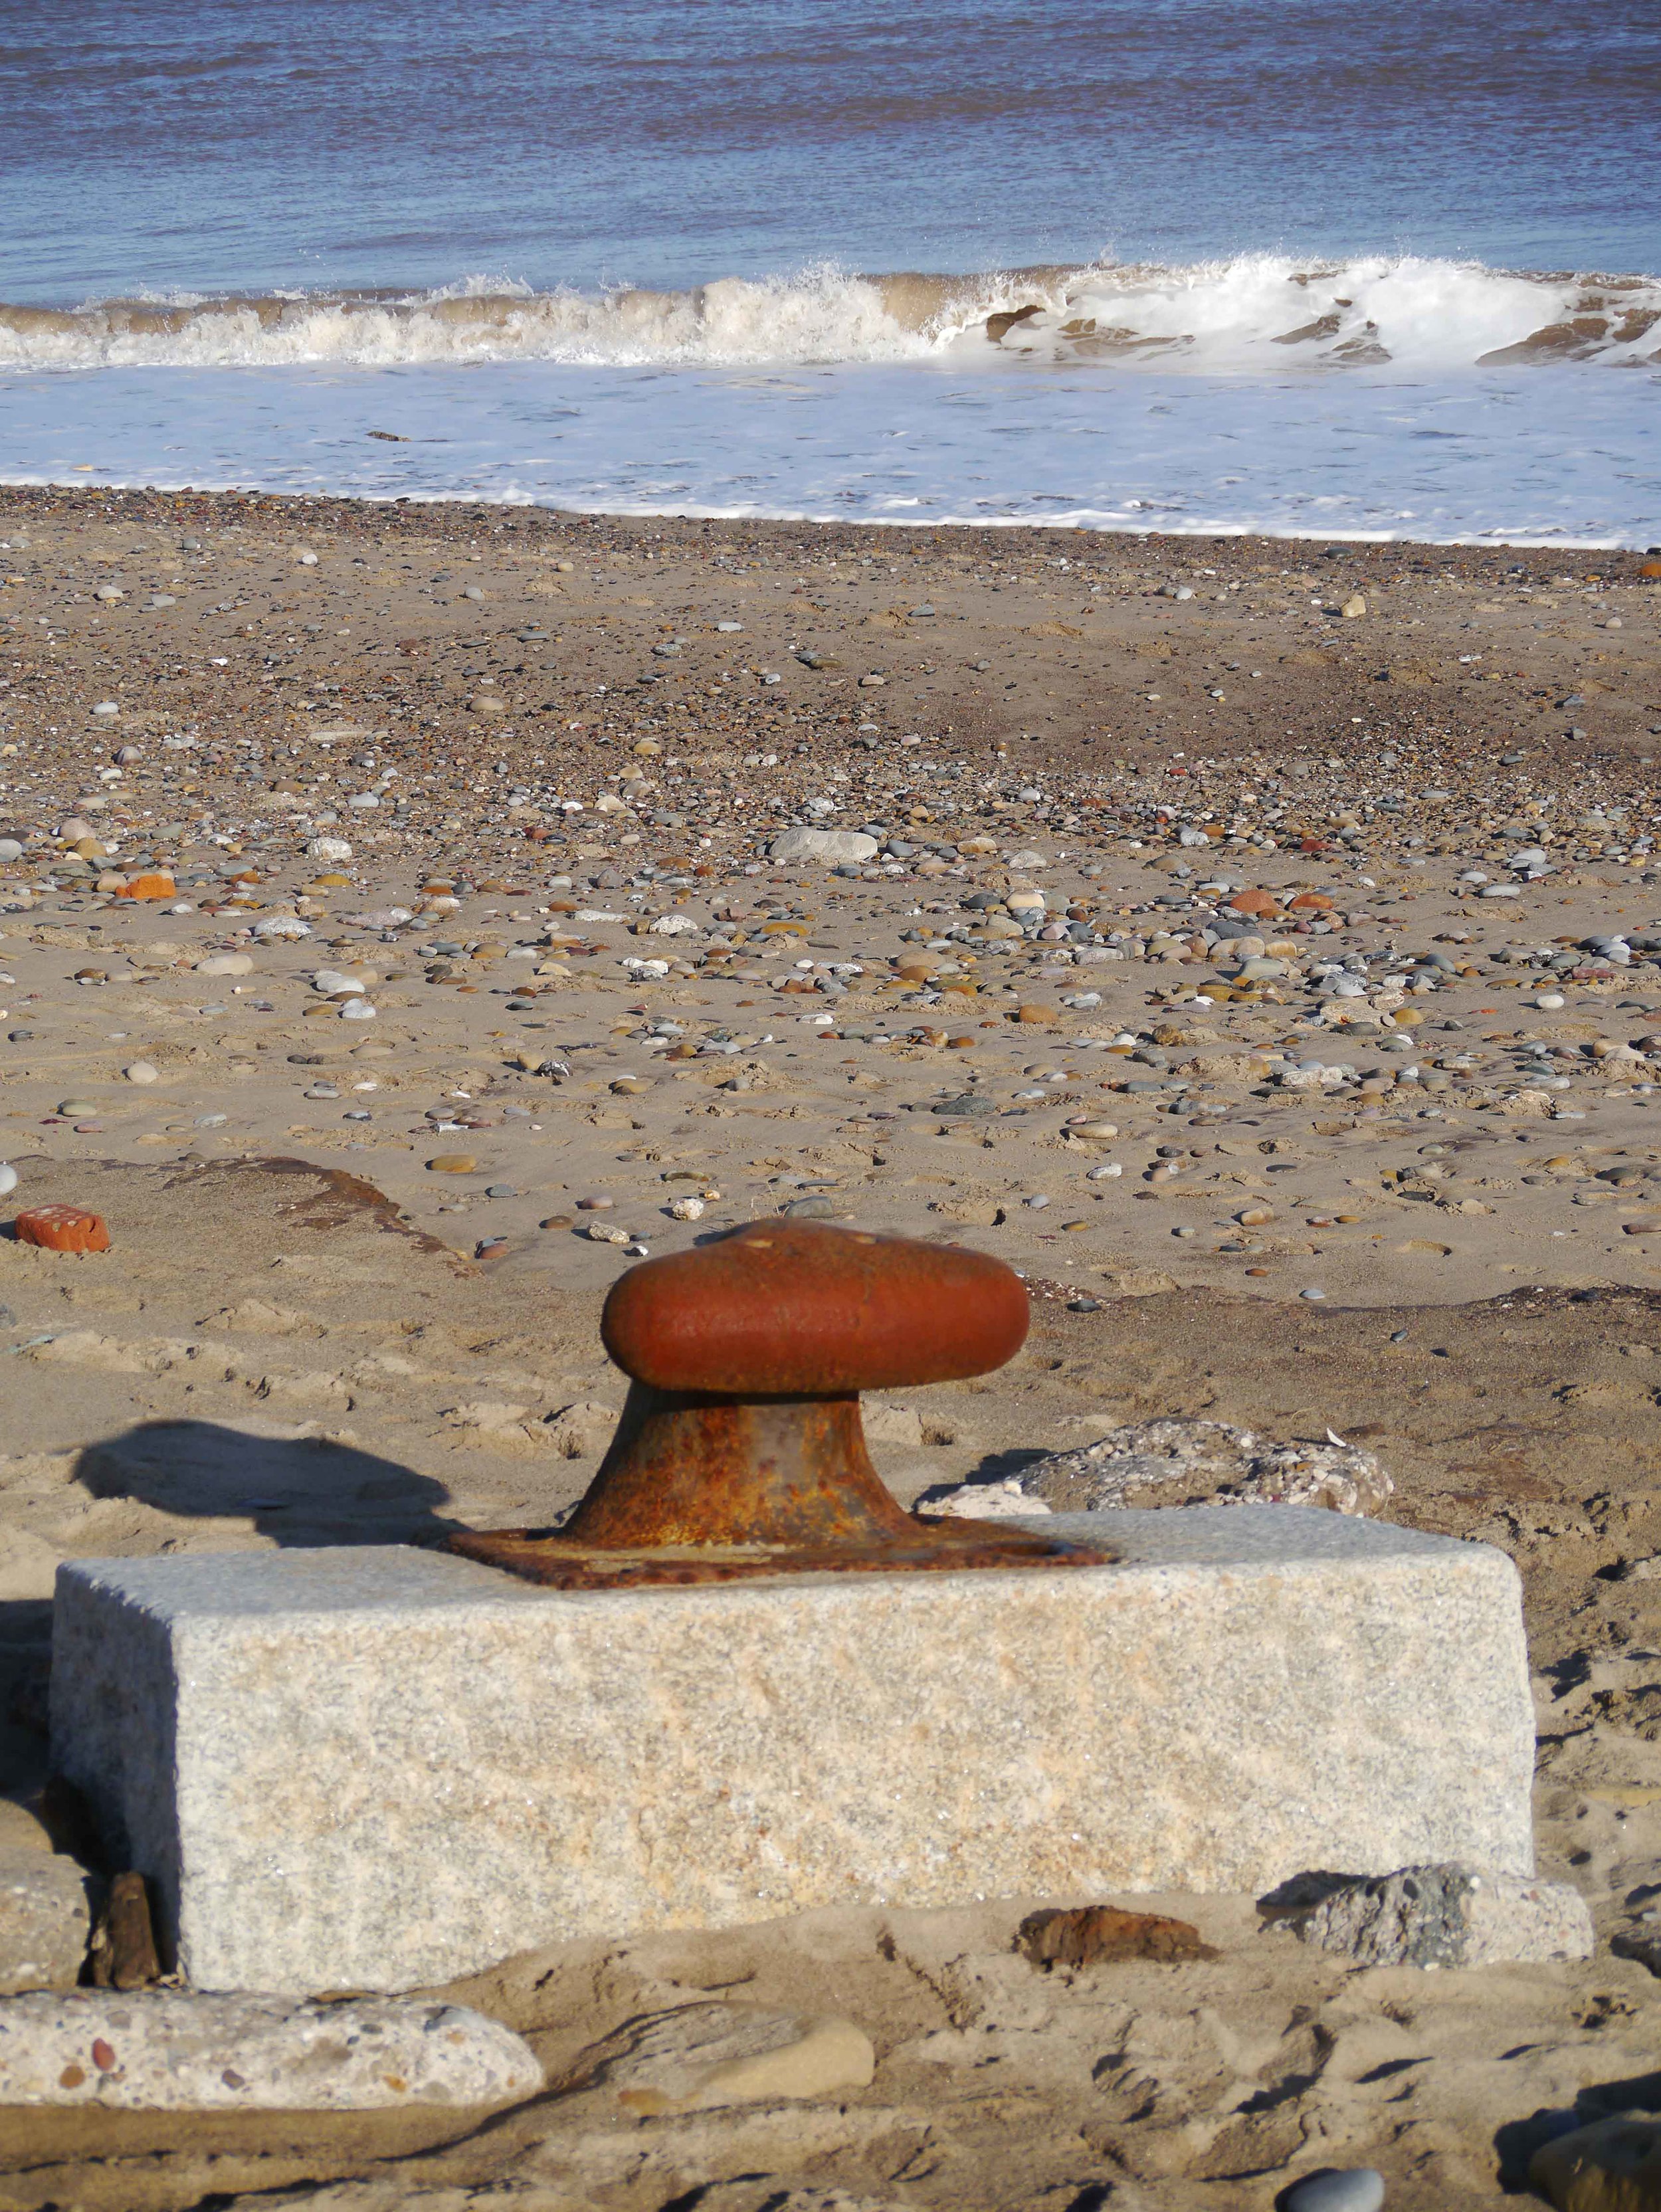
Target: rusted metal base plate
[{"x": 543, "y": 1556}]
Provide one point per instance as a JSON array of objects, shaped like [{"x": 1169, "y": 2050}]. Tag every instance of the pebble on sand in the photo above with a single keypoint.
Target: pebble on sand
[{"x": 1345, "y": 2189}]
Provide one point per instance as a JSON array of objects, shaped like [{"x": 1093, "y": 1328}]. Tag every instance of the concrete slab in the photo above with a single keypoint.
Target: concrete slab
[{"x": 377, "y": 1768}]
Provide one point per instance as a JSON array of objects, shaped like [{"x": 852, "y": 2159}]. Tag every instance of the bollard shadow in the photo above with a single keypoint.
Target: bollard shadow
[
  {"x": 297, "y": 1491},
  {"x": 1000, "y": 1466},
  {"x": 25, "y": 1672}
]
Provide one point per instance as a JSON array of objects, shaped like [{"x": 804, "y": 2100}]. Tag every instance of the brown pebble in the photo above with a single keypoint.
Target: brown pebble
[
  {"x": 453, "y": 1164},
  {"x": 1101, "y": 1934},
  {"x": 1039, "y": 1016}
]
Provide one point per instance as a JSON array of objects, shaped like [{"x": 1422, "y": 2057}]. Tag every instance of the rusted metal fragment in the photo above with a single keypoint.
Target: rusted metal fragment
[{"x": 1102, "y": 1935}]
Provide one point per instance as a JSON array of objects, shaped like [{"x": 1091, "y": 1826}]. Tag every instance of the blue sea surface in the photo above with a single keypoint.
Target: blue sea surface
[{"x": 1391, "y": 268}]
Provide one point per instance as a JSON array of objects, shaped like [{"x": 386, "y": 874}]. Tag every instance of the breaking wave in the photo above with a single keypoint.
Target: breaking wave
[{"x": 1254, "y": 313}]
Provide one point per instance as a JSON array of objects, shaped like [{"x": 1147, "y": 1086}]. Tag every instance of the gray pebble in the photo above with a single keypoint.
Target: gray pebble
[
  {"x": 1347, "y": 2189},
  {"x": 499, "y": 1190}
]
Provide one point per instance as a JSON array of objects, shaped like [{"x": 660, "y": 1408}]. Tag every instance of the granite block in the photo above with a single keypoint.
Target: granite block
[{"x": 379, "y": 1768}]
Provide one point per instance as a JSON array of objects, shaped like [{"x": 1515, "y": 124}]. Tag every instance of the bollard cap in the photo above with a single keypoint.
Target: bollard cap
[{"x": 802, "y": 1309}]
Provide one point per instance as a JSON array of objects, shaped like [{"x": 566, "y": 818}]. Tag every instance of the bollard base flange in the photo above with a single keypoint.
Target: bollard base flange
[{"x": 545, "y": 1556}]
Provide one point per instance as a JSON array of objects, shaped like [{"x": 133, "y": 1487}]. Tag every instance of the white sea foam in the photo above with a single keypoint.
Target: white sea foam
[
  {"x": 1250, "y": 314},
  {"x": 1263, "y": 312},
  {"x": 1570, "y": 455}
]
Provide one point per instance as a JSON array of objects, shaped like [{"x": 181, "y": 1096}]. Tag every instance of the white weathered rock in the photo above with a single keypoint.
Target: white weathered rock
[
  {"x": 45, "y": 1921},
  {"x": 378, "y": 1768},
  {"x": 1446, "y": 1915},
  {"x": 329, "y": 848},
  {"x": 178, "y": 2051},
  {"x": 981, "y": 1501},
  {"x": 1176, "y": 1461},
  {"x": 829, "y": 845},
  {"x": 701, "y": 2057},
  {"x": 225, "y": 963}
]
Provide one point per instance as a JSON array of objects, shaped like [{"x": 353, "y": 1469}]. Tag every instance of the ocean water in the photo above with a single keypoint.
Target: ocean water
[{"x": 1182, "y": 264}]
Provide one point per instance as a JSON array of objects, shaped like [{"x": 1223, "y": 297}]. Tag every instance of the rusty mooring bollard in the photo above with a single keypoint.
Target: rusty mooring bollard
[{"x": 740, "y": 1451}]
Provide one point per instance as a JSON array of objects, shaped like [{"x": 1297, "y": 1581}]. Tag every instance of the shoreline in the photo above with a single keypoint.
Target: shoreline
[
  {"x": 147, "y": 499},
  {"x": 239, "y": 497}
]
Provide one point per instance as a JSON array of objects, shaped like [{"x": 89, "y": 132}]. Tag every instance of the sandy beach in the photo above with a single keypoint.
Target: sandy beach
[{"x": 1255, "y": 943}]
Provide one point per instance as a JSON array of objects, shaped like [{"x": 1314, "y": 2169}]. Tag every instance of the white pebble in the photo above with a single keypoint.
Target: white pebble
[
  {"x": 140, "y": 1071},
  {"x": 8, "y": 1177},
  {"x": 1349, "y": 2189}
]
